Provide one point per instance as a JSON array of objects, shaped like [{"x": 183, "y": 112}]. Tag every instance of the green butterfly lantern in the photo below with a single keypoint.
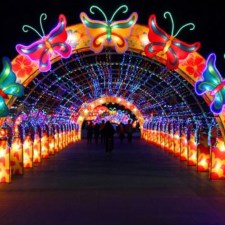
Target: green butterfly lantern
[{"x": 8, "y": 86}]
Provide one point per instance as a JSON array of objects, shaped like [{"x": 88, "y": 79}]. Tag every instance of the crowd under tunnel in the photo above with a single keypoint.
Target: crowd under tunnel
[{"x": 56, "y": 102}]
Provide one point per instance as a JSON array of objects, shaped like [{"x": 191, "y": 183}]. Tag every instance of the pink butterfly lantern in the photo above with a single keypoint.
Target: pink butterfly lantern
[{"x": 52, "y": 44}]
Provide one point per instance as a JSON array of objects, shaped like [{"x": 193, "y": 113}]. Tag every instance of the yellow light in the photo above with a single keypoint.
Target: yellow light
[
  {"x": 2, "y": 152},
  {"x": 86, "y": 111},
  {"x": 115, "y": 39},
  {"x": 16, "y": 147},
  {"x": 101, "y": 40},
  {"x": 222, "y": 149},
  {"x": 119, "y": 99},
  {"x": 144, "y": 39},
  {"x": 26, "y": 158},
  {"x": 51, "y": 145},
  {"x": 44, "y": 149},
  {"x": 192, "y": 157},
  {"x": 35, "y": 153},
  {"x": 80, "y": 118},
  {"x": 203, "y": 163},
  {"x": 27, "y": 144},
  {"x": 217, "y": 166},
  {"x": 176, "y": 136}
]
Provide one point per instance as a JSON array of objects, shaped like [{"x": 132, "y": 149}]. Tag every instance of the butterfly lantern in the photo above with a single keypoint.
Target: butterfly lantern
[
  {"x": 48, "y": 45},
  {"x": 162, "y": 43},
  {"x": 108, "y": 32},
  {"x": 213, "y": 84},
  {"x": 8, "y": 86}
]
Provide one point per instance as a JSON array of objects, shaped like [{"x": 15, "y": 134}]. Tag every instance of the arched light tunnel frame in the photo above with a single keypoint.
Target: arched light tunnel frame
[{"x": 136, "y": 43}]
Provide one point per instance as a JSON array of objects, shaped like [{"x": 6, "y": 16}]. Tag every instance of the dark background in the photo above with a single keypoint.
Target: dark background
[{"x": 208, "y": 16}]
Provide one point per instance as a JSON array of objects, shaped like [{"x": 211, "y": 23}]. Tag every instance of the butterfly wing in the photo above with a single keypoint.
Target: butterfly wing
[
  {"x": 179, "y": 50},
  {"x": 160, "y": 41},
  {"x": 4, "y": 111},
  {"x": 38, "y": 52},
  {"x": 8, "y": 85},
  {"x": 97, "y": 30},
  {"x": 8, "y": 80},
  {"x": 157, "y": 37},
  {"x": 218, "y": 102},
  {"x": 42, "y": 49},
  {"x": 57, "y": 38},
  {"x": 121, "y": 30},
  {"x": 211, "y": 79}
]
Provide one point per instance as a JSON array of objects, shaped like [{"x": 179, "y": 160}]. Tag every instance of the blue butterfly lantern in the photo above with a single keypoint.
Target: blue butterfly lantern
[
  {"x": 8, "y": 86},
  {"x": 213, "y": 83}
]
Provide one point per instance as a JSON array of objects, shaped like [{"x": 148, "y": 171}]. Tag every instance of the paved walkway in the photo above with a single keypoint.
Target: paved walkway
[{"x": 137, "y": 184}]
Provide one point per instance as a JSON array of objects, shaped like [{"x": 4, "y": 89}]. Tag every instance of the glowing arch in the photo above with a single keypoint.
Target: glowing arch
[
  {"x": 136, "y": 43},
  {"x": 189, "y": 70},
  {"x": 89, "y": 107}
]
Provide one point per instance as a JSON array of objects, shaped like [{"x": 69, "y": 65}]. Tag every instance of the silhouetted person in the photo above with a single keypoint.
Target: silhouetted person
[
  {"x": 96, "y": 132},
  {"x": 102, "y": 125},
  {"x": 129, "y": 131},
  {"x": 109, "y": 136},
  {"x": 89, "y": 132},
  {"x": 121, "y": 131}
]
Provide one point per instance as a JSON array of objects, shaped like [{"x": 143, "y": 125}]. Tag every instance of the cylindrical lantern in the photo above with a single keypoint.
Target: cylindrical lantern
[{"x": 5, "y": 171}]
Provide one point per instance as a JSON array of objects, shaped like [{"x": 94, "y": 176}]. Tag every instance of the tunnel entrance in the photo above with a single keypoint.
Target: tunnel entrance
[{"x": 56, "y": 102}]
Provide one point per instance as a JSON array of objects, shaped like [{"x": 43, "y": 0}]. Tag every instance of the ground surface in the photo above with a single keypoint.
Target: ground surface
[{"x": 137, "y": 184}]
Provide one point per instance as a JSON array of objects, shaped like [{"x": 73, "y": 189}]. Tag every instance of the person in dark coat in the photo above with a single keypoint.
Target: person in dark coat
[
  {"x": 109, "y": 132},
  {"x": 121, "y": 131},
  {"x": 129, "y": 130},
  {"x": 96, "y": 132},
  {"x": 101, "y": 129},
  {"x": 89, "y": 131}
]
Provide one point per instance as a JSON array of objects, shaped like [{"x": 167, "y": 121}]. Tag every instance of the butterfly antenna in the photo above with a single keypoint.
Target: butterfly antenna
[
  {"x": 43, "y": 16},
  {"x": 191, "y": 25},
  {"x": 171, "y": 19},
  {"x": 121, "y": 7},
  {"x": 26, "y": 28},
  {"x": 100, "y": 10}
]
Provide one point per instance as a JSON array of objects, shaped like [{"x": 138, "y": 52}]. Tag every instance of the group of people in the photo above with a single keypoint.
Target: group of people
[{"x": 106, "y": 132}]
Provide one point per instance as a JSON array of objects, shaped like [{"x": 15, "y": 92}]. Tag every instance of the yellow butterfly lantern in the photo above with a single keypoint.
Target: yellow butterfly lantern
[{"x": 109, "y": 32}]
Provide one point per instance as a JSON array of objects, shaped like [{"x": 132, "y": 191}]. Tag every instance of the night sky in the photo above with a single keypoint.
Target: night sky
[{"x": 209, "y": 19}]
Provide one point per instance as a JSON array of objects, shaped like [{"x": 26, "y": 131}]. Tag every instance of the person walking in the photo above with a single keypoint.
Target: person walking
[
  {"x": 121, "y": 131},
  {"x": 101, "y": 129},
  {"x": 96, "y": 132},
  {"x": 89, "y": 132},
  {"x": 109, "y": 132},
  {"x": 129, "y": 131}
]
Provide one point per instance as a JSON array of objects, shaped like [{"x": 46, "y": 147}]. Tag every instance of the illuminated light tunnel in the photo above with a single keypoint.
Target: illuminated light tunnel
[{"x": 56, "y": 100}]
